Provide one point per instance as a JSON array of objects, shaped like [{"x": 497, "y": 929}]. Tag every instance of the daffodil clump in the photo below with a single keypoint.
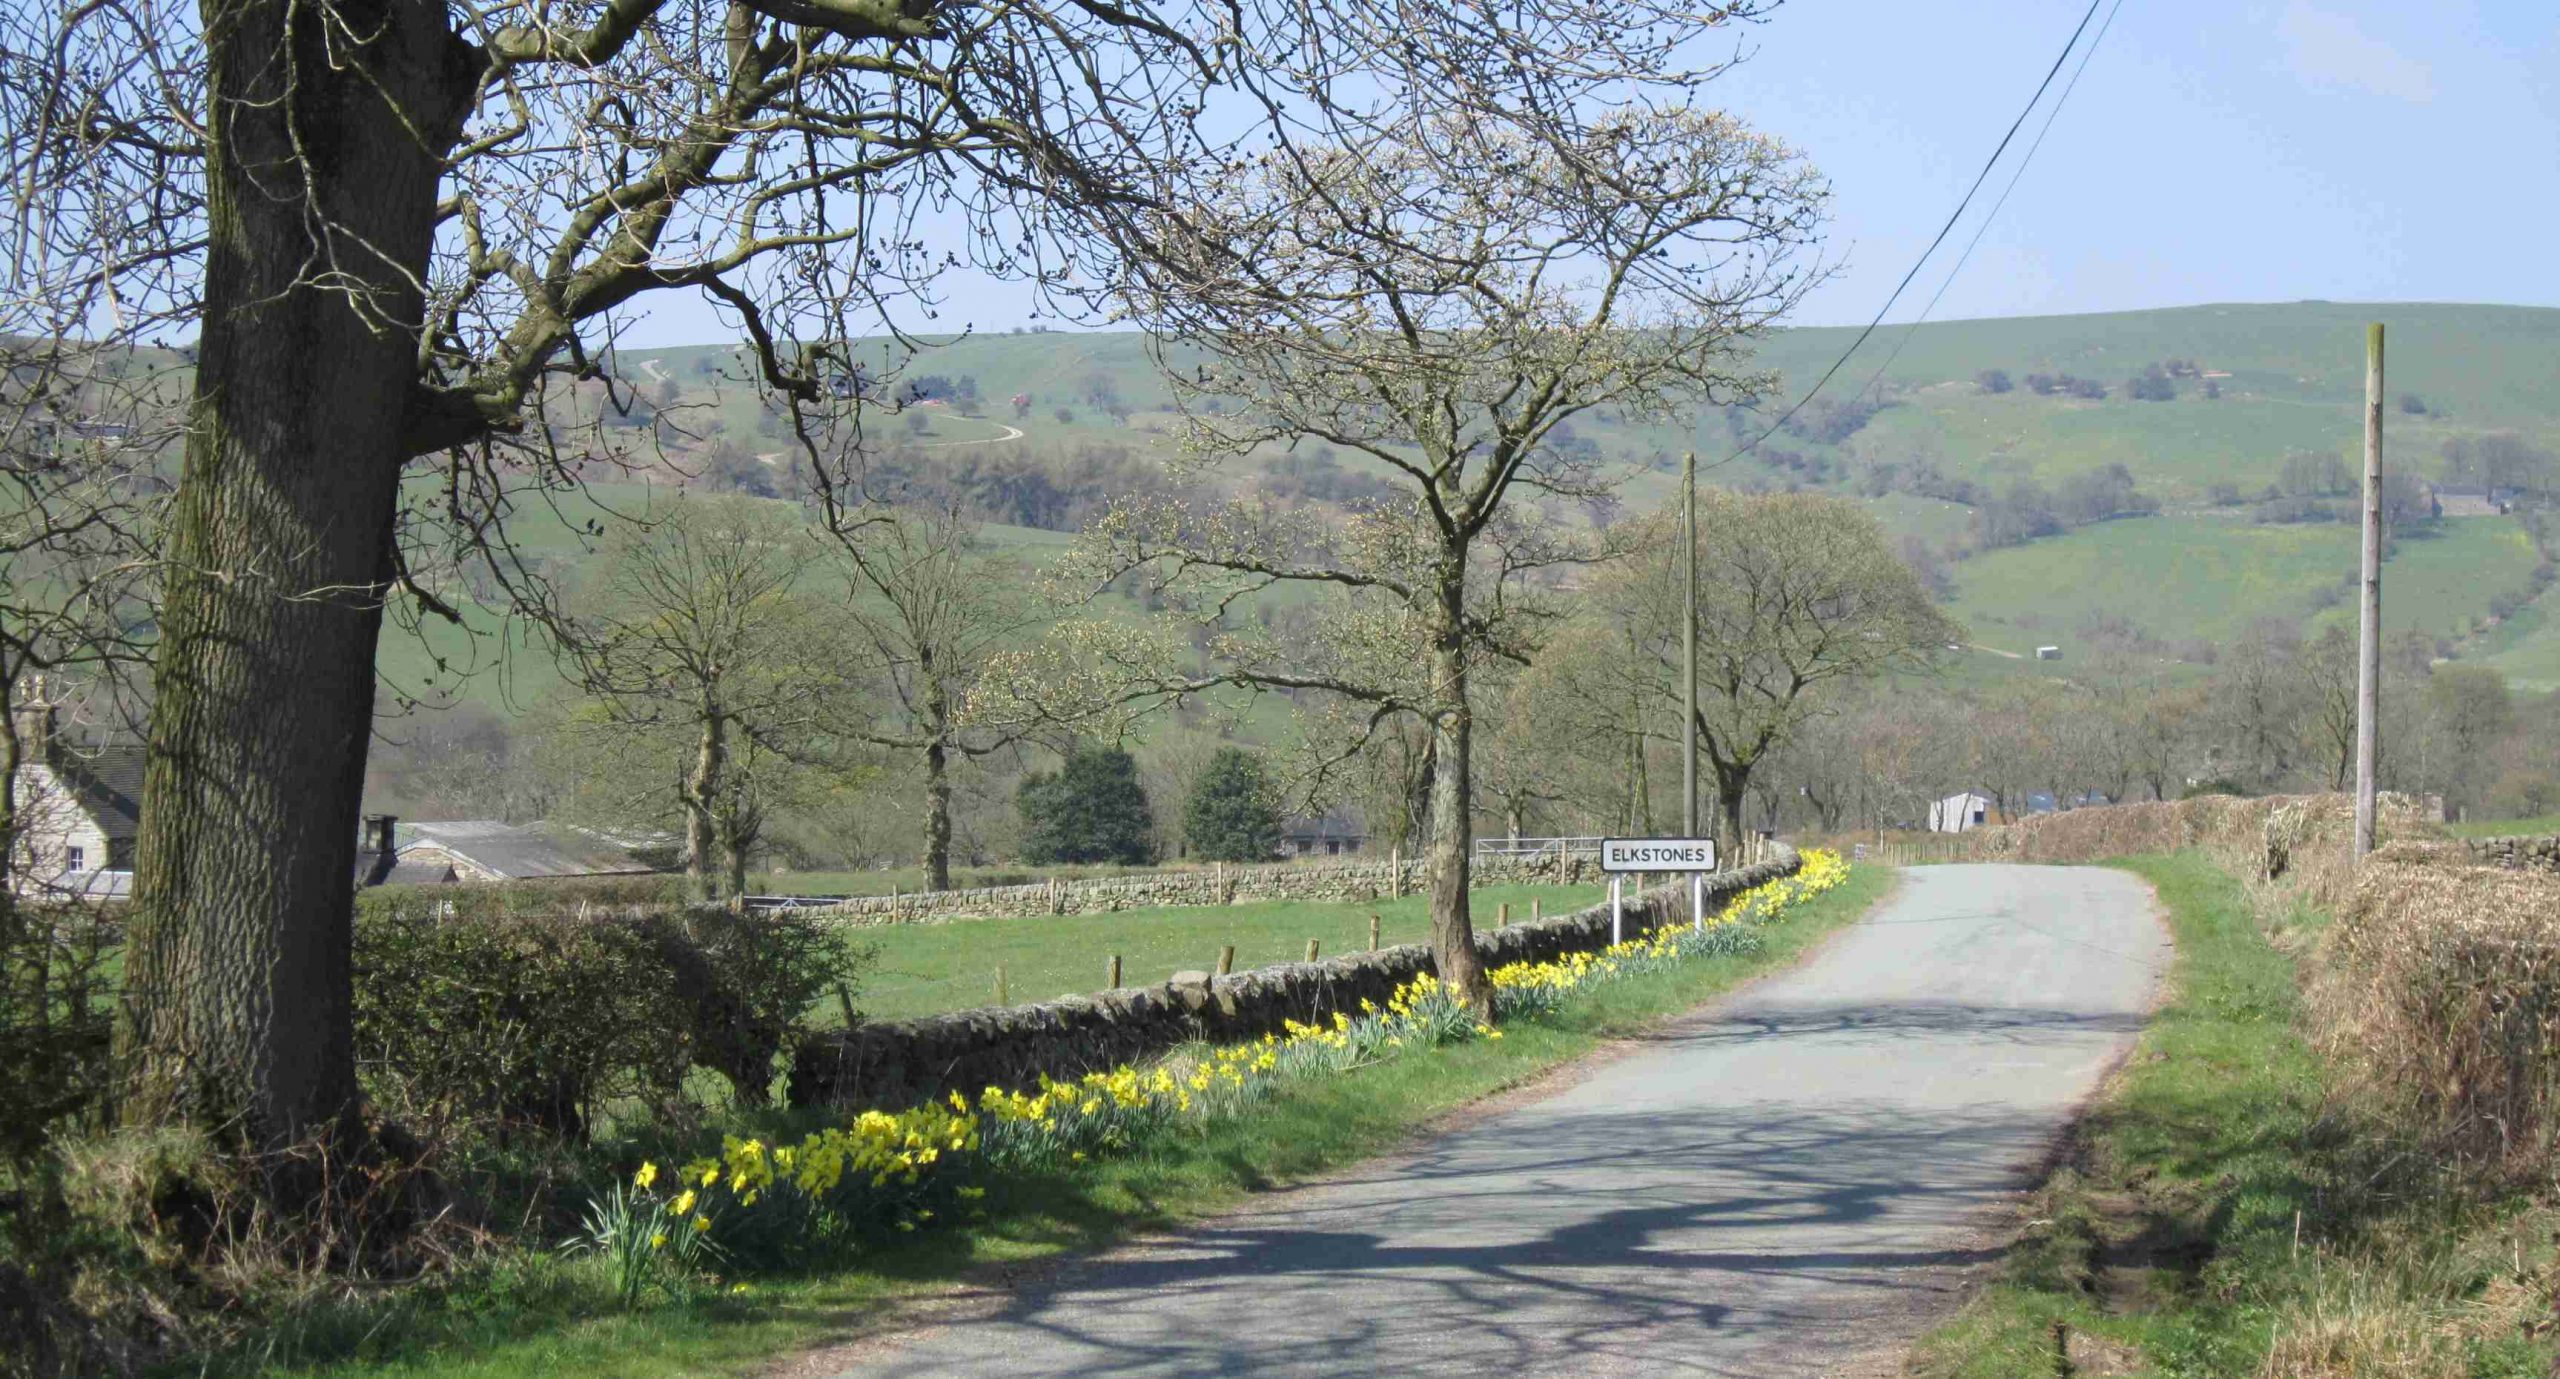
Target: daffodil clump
[
  {"x": 904, "y": 1170},
  {"x": 1529, "y": 990}
]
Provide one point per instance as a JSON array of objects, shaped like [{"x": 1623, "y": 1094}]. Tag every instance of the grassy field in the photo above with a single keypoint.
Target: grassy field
[
  {"x": 2544, "y": 827},
  {"x": 2213, "y": 578},
  {"x": 548, "y": 1317},
  {"x": 928, "y": 968},
  {"x": 2220, "y": 1217}
]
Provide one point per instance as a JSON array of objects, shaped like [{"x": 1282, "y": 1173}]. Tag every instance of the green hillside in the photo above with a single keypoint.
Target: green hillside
[{"x": 2285, "y": 377}]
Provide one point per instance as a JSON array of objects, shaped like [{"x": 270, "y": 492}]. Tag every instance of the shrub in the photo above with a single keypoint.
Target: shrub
[
  {"x": 56, "y": 1019},
  {"x": 1091, "y": 809},
  {"x": 500, "y": 1016},
  {"x": 513, "y": 1018},
  {"x": 1233, "y": 814},
  {"x": 2443, "y": 999}
]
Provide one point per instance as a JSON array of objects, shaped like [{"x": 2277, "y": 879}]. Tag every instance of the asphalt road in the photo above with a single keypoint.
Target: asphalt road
[{"x": 1790, "y": 1184}]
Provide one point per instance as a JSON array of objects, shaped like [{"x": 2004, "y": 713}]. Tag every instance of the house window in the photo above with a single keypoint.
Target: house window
[
  {"x": 1977, "y": 816},
  {"x": 75, "y": 859}
]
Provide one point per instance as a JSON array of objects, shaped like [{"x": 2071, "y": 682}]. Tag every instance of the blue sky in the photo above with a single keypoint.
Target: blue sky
[{"x": 2342, "y": 149}]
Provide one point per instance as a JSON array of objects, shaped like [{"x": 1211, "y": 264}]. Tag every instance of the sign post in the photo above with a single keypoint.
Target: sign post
[{"x": 1620, "y": 856}]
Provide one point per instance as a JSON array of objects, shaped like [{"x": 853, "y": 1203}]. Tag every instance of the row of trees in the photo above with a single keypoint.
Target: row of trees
[{"x": 396, "y": 234}]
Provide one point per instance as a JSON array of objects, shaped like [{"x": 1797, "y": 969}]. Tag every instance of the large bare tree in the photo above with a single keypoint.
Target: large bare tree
[
  {"x": 391, "y": 230},
  {"x": 1438, "y": 293}
]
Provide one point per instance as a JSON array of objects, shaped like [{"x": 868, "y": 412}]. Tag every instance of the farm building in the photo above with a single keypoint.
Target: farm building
[
  {"x": 1956, "y": 813},
  {"x": 393, "y": 853}
]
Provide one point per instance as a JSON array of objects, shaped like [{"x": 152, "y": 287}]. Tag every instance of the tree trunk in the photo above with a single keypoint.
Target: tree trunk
[
  {"x": 320, "y": 212},
  {"x": 1733, "y": 787},
  {"x": 937, "y": 786},
  {"x": 701, "y": 802},
  {"x": 1453, "y": 938}
]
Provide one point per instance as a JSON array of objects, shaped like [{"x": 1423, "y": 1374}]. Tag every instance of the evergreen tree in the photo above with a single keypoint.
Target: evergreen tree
[
  {"x": 1233, "y": 814},
  {"x": 1091, "y": 809}
]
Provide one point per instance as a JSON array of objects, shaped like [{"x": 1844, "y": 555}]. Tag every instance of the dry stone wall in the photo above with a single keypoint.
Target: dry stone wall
[
  {"x": 2515, "y": 854},
  {"x": 1356, "y": 881},
  {"x": 899, "y": 1063}
]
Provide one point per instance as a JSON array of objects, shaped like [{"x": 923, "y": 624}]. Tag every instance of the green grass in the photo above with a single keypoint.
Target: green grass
[
  {"x": 2543, "y": 827},
  {"x": 928, "y": 968},
  {"x": 2215, "y": 1198},
  {"x": 548, "y": 1319},
  {"x": 2214, "y": 578}
]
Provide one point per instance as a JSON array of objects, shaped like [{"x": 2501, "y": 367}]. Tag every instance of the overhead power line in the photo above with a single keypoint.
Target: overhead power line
[
  {"x": 1984, "y": 225},
  {"x": 1943, "y": 231}
]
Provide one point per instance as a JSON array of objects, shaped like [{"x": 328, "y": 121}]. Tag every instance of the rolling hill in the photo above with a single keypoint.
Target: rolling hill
[{"x": 2255, "y": 384}]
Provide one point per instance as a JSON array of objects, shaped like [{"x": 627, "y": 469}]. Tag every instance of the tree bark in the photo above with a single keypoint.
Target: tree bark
[
  {"x": 1733, "y": 789},
  {"x": 701, "y": 801},
  {"x": 1453, "y": 939},
  {"x": 327, "y": 125},
  {"x": 937, "y": 785}
]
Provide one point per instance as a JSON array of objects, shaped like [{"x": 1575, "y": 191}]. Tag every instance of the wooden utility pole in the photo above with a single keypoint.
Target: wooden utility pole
[
  {"x": 2369, "y": 612},
  {"x": 1689, "y": 645}
]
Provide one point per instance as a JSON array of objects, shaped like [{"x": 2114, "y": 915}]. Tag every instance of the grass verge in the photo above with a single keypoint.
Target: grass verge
[
  {"x": 544, "y": 1317},
  {"x": 2219, "y": 1214}
]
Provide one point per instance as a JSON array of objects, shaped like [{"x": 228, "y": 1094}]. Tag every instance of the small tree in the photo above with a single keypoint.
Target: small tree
[
  {"x": 1091, "y": 809},
  {"x": 1796, "y": 592},
  {"x": 929, "y": 603},
  {"x": 1993, "y": 381},
  {"x": 1233, "y": 814},
  {"x": 695, "y": 627}
]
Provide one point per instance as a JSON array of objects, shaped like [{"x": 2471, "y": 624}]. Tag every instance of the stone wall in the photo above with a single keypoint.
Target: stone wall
[
  {"x": 2515, "y": 854},
  {"x": 899, "y": 1063},
  {"x": 1353, "y": 881}
]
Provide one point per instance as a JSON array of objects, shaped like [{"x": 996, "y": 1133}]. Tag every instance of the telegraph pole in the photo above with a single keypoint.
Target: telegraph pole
[
  {"x": 2369, "y": 612},
  {"x": 1689, "y": 645}
]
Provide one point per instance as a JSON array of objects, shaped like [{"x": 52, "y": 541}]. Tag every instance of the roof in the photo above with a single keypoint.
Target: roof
[
  {"x": 107, "y": 782},
  {"x": 513, "y": 852},
  {"x": 1333, "y": 824}
]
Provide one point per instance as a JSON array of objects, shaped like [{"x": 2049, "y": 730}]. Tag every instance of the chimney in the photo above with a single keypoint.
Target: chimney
[
  {"x": 377, "y": 832},
  {"x": 35, "y": 720}
]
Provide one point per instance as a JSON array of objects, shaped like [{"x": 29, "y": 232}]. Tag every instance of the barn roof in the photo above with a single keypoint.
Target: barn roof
[{"x": 516, "y": 852}]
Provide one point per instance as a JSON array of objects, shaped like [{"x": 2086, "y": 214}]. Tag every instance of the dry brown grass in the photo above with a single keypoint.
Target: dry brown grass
[{"x": 2440, "y": 995}]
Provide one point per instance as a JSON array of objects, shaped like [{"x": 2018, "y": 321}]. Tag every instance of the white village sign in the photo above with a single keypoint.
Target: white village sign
[{"x": 1619, "y": 856}]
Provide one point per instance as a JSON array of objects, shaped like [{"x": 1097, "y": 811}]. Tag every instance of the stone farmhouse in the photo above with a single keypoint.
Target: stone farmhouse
[{"x": 79, "y": 809}]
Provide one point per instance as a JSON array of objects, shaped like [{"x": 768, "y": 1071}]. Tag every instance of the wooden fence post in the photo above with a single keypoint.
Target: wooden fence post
[
  {"x": 1000, "y": 991},
  {"x": 1311, "y": 950},
  {"x": 1537, "y": 905},
  {"x": 1505, "y": 921},
  {"x": 1373, "y": 933},
  {"x": 1226, "y": 960},
  {"x": 1115, "y": 972}
]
